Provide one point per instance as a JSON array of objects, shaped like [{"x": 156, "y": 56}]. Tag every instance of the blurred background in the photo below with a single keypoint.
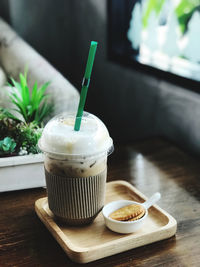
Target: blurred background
[{"x": 134, "y": 104}]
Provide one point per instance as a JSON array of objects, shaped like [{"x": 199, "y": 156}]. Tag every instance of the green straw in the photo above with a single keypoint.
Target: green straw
[{"x": 85, "y": 85}]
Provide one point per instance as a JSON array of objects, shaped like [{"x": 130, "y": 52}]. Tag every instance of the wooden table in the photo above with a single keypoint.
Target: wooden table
[{"x": 152, "y": 165}]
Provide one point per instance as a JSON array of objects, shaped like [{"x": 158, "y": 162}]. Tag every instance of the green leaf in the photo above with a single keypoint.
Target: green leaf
[
  {"x": 44, "y": 87},
  {"x": 34, "y": 92},
  {"x": 29, "y": 105},
  {"x": 184, "y": 12},
  {"x": 7, "y": 145},
  {"x": 26, "y": 95},
  {"x": 41, "y": 91},
  {"x": 5, "y": 148},
  {"x": 152, "y": 5},
  {"x": 12, "y": 147},
  {"x": 16, "y": 85},
  {"x": 7, "y": 141},
  {"x": 9, "y": 115},
  {"x": 22, "y": 80},
  {"x": 16, "y": 98},
  {"x": 21, "y": 109},
  {"x": 44, "y": 111}
]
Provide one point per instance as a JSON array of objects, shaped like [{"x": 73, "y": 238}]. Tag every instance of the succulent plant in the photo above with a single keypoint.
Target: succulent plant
[
  {"x": 7, "y": 146},
  {"x": 26, "y": 135}
]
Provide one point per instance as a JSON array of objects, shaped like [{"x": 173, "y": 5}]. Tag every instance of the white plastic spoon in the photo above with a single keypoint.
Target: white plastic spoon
[{"x": 125, "y": 227}]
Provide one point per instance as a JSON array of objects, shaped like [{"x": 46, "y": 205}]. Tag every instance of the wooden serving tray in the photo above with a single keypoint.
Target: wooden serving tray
[{"x": 88, "y": 243}]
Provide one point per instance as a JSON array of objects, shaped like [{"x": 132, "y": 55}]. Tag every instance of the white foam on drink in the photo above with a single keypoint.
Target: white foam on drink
[{"x": 59, "y": 136}]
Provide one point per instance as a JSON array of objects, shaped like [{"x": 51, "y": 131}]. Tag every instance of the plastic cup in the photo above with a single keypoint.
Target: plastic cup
[{"x": 76, "y": 181}]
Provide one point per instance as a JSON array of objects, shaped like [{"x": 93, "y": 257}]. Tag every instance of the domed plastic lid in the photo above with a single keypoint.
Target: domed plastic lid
[{"x": 60, "y": 138}]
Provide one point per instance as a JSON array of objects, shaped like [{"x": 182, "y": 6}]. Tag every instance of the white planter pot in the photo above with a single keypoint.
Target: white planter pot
[{"x": 21, "y": 172}]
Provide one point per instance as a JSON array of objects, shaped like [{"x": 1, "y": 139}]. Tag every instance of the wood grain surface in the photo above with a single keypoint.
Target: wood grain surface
[
  {"x": 152, "y": 165},
  {"x": 88, "y": 243}
]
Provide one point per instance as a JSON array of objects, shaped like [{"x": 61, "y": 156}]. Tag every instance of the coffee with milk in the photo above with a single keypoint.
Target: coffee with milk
[{"x": 76, "y": 166}]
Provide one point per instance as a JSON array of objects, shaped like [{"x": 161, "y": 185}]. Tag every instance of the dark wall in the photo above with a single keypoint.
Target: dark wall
[
  {"x": 133, "y": 105},
  {"x": 5, "y": 10}
]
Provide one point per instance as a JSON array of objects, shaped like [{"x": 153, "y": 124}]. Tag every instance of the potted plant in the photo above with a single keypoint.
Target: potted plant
[{"x": 21, "y": 163}]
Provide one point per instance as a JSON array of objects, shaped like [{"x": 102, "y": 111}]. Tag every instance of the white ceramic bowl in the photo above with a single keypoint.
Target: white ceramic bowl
[{"x": 126, "y": 227}]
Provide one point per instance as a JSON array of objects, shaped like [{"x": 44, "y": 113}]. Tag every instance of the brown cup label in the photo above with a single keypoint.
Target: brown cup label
[{"x": 76, "y": 198}]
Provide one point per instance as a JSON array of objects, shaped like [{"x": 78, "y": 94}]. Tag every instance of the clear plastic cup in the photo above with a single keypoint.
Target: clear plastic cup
[{"x": 76, "y": 170}]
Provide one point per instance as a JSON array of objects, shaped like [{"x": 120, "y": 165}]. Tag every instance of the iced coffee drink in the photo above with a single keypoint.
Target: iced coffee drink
[{"x": 75, "y": 166}]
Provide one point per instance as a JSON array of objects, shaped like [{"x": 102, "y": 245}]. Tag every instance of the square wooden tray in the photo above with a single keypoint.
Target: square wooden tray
[{"x": 88, "y": 243}]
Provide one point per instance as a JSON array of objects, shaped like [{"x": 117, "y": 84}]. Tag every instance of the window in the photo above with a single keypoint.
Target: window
[{"x": 159, "y": 36}]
